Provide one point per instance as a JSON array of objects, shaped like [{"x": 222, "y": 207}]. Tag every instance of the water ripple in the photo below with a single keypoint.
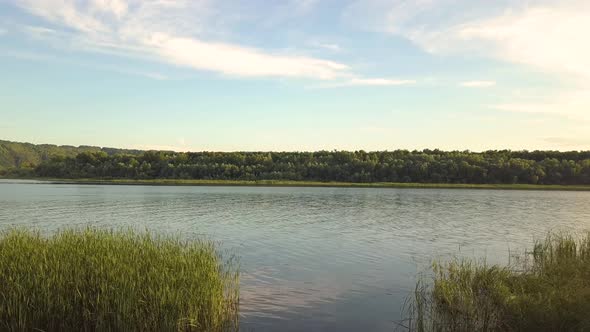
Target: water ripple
[{"x": 337, "y": 259}]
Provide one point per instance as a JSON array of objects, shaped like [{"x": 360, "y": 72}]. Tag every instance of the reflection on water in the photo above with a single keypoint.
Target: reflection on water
[{"x": 314, "y": 259}]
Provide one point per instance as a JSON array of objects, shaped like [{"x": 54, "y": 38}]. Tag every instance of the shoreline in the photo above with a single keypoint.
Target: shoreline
[{"x": 310, "y": 184}]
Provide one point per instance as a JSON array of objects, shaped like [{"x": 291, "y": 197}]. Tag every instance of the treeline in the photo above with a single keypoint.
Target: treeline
[
  {"x": 427, "y": 166},
  {"x": 16, "y": 156}
]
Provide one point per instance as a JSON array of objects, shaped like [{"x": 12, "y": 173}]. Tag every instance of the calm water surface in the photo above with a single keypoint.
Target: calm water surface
[{"x": 314, "y": 259}]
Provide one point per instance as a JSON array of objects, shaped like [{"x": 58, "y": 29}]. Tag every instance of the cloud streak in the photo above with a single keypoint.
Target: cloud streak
[
  {"x": 327, "y": 46},
  {"x": 374, "y": 82},
  {"x": 378, "y": 82},
  {"x": 235, "y": 60},
  {"x": 573, "y": 105},
  {"x": 533, "y": 37},
  {"x": 478, "y": 84},
  {"x": 157, "y": 29},
  {"x": 548, "y": 36}
]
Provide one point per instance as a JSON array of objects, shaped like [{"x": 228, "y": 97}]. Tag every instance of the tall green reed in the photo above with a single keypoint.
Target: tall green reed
[
  {"x": 547, "y": 289},
  {"x": 96, "y": 280}
]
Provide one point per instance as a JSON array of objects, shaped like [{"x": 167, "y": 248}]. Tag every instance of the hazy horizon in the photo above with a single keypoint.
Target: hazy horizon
[
  {"x": 302, "y": 75},
  {"x": 304, "y": 151}
]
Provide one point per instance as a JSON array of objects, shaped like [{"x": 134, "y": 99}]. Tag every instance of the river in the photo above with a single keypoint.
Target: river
[{"x": 313, "y": 259}]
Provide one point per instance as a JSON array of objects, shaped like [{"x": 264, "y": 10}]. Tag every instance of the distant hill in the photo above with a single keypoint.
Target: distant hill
[{"x": 27, "y": 155}]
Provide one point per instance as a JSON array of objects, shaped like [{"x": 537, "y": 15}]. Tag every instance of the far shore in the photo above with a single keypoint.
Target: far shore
[{"x": 279, "y": 183}]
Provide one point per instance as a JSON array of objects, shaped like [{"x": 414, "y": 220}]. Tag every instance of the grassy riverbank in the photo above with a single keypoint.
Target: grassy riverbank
[
  {"x": 272, "y": 183},
  {"x": 548, "y": 291},
  {"x": 113, "y": 281}
]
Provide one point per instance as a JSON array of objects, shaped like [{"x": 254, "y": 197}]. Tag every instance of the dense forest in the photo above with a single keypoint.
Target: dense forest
[
  {"x": 22, "y": 156},
  {"x": 427, "y": 166}
]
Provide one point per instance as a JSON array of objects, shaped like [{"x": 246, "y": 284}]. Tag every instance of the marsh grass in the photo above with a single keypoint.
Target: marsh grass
[
  {"x": 548, "y": 289},
  {"x": 95, "y": 280}
]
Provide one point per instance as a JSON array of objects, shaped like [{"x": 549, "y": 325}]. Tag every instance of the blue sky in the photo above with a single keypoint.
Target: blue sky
[{"x": 296, "y": 75}]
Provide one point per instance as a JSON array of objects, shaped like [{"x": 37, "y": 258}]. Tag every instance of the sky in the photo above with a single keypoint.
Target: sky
[{"x": 292, "y": 75}]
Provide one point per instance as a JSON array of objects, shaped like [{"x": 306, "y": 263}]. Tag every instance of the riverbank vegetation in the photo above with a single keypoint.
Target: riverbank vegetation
[
  {"x": 400, "y": 166},
  {"x": 312, "y": 184},
  {"x": 547, "y": 290},
  {"x": 25, "y": 156},
  {"x": 96, "y": 280}
]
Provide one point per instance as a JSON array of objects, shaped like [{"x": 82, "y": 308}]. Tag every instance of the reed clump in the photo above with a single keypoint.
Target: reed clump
[
  {"x": 97, "y": 280},
  {"x": 548, "y": 289}
]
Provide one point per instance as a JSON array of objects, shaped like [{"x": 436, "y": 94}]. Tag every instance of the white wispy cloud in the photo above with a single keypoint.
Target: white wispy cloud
[
  {"x": 573, "y": 105},
  {"x": 365, "y": 82},
  {"x": 3, "y": 31},
  {"x": 327, "y": 46},
  {"x": 64, "y": 13},
  {"x": 236, "y": 60},
  {"x": 115, "y": 7},
  {"x": 549, "y": 36},
  {"x": 379, "y": 81},
  {"x": 167, "y": 31},
  {"x": 478, "y": 84}
]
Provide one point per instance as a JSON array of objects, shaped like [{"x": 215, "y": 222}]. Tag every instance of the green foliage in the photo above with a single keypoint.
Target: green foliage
[
  {"x": 15, "y": 155},
  {"x": 401, "y": 166},
  {"x": 96, "y": 280},
  {"x": 548, "y": 291},
  {"x": 492, "y": 167}
]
